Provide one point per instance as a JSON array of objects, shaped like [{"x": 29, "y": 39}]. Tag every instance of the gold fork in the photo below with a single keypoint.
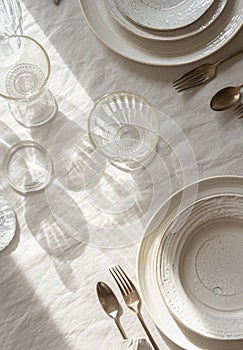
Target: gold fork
[
  {"x": 131, "y": 297},
  {"x": 200, "y": 75},
  {"x": 239, "y": 111}
]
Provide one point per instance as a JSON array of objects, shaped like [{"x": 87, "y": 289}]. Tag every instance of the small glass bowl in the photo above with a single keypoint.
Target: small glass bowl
[
  {"x": 27, "y": 167},
  {"x": 124, "y": 127}
]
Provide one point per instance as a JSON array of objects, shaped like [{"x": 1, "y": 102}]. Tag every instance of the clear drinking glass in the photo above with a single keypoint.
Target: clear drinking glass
[
  {"x": 24, "y": 76},
  {"x": 27, "y": 166},
  {"x": 124, "y": 127},
  {"x": 10, "y": 24},
  {"x": 10, "y": 18}
]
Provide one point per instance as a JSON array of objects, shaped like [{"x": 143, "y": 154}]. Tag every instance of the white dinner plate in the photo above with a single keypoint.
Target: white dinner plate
[
  {"x": 147, "y": 273},
  {"x": 163, "y": 14},
  {"x": 199, "y": 267},
  {"x": 163, "y": 53},
  {"x": 208, "y": 18}
]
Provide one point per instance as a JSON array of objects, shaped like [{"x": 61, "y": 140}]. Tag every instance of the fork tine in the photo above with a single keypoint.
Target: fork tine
[
  {"x": 238, "y": 111},
  {"x": 238, "y": 108},
  {"x": 118, "y": 280},
  {"x": 127, "y": 279},
  {"x": 132, "y": 299},
  {"x": 187, "y": 75},
  {"x": 189, "y": 86},
  {"x": 190, "y": 82},
  {"x": 185, "y": 80},
  {"x": 193, "y": 77}
]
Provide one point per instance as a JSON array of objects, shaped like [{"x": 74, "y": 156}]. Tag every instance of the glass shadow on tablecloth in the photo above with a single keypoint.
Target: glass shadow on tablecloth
[
  {"x": 22, "y": 299},
  {"x": 60, "y": 247},
  {"x": 115, "y": 206},
  {"x": 32, "y": 325}
]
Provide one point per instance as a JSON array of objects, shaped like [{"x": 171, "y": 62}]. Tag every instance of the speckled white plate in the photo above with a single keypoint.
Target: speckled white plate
[
  {"x": 204, "y": 22},
  {"x": 7, "y": 223},
  {"x": 149, "y": 253},
  {"x": 199, "y": 267},
  {"x": 163, "y": 53},
  {"x": 163, "y": 14}
]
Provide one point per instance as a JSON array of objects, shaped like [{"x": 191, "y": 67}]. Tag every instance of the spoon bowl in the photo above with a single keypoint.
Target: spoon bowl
[
  {"x": 226, "y": 98},
  {"x": 110, "y": 304}
]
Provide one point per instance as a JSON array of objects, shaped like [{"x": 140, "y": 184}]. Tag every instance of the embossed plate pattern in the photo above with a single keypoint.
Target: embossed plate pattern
[
  {"x": 163, "y": 14},
  {"x": 204, "y": 22},
  {"x": 149, "y": 251},
  {"x": 199, "y": 267}
]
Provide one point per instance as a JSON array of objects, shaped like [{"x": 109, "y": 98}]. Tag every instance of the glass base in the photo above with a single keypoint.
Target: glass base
[
  {"x": 35, "y": 114},
  {"x": 135, "y": 165},
  {"x": 7, "y": 223},
  {"x": 27, "y": 167}
]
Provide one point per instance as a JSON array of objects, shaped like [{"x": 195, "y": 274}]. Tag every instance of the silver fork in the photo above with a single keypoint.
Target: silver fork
[
  {"x": 200, "y": 75},
  {"x": 239, "y": 111},
  {"x": 131, "y": 297}
]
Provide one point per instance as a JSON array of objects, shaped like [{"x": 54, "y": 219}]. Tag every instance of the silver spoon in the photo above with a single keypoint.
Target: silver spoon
[
  {"x": 226, "y": 98},
  {"x": 110, "y": 304}
]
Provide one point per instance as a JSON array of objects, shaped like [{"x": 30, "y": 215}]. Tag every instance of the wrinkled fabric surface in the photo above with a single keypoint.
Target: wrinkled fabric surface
[
  {"x": 69, "y": 235},
  {"x": 135, "y": 344}
]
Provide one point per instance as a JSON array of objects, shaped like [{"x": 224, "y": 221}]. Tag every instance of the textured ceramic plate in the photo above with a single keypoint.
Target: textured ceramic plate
[
  {"x": 158, "y": 52},
  {"x": 7, "y": 223},
  {"x": 148, "y": 257},
  {"x": 163, "y": 14},
  {"x": 199, "y": 267},
  {"x": 204, "y": 22}
]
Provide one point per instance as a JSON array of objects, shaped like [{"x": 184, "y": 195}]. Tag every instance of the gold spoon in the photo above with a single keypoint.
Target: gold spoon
[
  {"x": 110, "y": 304},
  {"x": 226, "y": 98}
]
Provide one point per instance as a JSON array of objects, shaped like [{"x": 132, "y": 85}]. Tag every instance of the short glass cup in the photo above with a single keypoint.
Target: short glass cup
[
  {"x": 10, "y": 18},
  {"x": 124, "y": 128},
  {"x": 27, "y": 167},
  {"x": 24, "y": 76}
]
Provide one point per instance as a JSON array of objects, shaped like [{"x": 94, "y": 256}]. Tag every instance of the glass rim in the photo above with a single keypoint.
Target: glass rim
[{"x": 16, "y": 99}]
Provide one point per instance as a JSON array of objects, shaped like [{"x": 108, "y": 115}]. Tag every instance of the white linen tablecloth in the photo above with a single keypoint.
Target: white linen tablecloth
[{"x": 48, "y": 278}]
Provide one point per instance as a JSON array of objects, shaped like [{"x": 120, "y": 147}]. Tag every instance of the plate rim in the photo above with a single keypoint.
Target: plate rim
[
  {"x": 149, "y": 55},
  {"x": 211, "y": 336},
  {"x": 157, "y": 35},
  {"x": 184, "y": 341}
]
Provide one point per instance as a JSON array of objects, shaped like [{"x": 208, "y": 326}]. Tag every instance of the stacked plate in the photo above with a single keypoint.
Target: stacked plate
[
  {"x": 164, "y": 32},
  {"x": 190, "y": 265}
]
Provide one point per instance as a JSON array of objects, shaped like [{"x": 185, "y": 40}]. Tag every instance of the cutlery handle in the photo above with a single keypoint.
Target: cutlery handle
[
  {"x": 155, "y": 346},
  {"x": 119, "y": 326},
  {"x": 230, "y": 56}
]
